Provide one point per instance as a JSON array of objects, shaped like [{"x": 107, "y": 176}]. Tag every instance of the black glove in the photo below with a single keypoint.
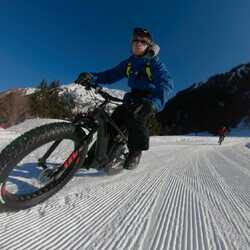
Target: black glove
[{"x": 85, "y": 79}]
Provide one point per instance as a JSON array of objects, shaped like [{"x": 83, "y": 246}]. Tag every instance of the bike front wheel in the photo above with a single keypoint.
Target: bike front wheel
[{"x": 25, "y": 178}]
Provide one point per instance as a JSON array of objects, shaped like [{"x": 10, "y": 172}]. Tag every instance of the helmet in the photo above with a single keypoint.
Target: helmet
[{"x": 141, "y": 32}]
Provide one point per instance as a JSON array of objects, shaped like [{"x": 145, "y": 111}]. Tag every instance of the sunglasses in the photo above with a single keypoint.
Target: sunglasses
[{"x": 144, "y": 42}]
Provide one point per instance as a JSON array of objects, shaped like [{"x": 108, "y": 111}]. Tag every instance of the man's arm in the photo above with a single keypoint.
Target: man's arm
[
  {"x": 163, "y": 83},
  {"x": 112, "y": 75}
]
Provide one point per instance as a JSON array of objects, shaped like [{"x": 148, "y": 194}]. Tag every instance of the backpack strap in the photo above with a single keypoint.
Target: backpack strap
[
  {"x": 128, "y": 69},
  {"x": 148, "y": 70}
]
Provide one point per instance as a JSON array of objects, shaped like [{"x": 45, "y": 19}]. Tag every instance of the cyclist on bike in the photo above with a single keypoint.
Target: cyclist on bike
[
  {"x": 223, "y": 131},
  {"x": 150, "y": 85}
]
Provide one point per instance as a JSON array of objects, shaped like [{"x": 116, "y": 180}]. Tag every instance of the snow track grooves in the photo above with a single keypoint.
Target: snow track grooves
[{"x": 186, "y": 194}]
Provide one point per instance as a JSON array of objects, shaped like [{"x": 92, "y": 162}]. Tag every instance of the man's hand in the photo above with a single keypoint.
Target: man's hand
[{"x": 84, "y": 79}]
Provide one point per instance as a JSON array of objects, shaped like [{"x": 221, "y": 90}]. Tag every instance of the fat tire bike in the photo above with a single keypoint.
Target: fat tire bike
[{"x": 40, "y": 162}]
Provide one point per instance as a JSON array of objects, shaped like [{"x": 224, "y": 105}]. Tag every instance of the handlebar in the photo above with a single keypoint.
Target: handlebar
[
  {"x": 107, "y": 96},
  {"x": 104, "y": 94}
]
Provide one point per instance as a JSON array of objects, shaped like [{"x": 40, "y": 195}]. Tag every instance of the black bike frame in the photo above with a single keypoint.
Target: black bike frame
[
  {"x": 104, "y": 124},
  {"x": 97, "y": 121}
]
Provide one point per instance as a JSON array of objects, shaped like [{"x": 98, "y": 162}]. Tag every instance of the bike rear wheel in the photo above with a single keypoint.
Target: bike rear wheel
[{"x": 24, "y": 180}]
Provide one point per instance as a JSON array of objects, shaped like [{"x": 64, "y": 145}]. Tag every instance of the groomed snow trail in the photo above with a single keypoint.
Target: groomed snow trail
[{"x": 187, "y": 193}]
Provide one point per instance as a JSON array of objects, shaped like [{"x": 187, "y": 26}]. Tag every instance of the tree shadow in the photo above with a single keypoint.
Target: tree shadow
[
  {"x": 23, "y": 176},
  {"x": 31, "y": 171}
]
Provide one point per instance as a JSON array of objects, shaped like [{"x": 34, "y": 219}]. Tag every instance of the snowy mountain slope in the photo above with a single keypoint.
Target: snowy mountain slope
[
  {"x": 29, "y": 124},
  {"x": 222, "y": 100},
  {"x": 239, "y": 72},
  {"x": 85, "y": 99},
  {"x": 16, "y": 105},
  {"x": 233, "y": 75},
  {"x": 187, "y": 193}
]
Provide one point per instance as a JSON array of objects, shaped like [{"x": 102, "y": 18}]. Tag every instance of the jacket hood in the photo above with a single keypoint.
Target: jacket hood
[{"x": 153, "y": 50}]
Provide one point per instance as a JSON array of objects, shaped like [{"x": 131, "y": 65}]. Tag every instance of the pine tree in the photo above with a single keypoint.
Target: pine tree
[
  {"x": 54, "y": 85},
  {"x": 48, "y": 102}
]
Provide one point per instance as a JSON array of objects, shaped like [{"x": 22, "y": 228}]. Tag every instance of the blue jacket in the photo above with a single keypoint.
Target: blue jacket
[{"x": 160, "y": 86}]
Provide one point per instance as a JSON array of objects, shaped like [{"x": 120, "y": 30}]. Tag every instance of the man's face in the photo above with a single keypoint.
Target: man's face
[{"x": 139, "y": 46}]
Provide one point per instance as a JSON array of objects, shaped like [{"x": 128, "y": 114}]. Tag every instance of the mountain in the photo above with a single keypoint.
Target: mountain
[
  {"x": 224, "y": 99},
  {"x": 84, "y": 99},
  {"x": 16, "y": 105}
]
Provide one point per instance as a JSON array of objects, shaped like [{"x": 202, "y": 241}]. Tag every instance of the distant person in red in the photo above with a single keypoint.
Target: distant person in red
[{"x": 222, "y": 134}]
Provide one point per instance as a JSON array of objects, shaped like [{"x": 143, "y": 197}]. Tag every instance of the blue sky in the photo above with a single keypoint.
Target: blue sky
[{"x": 59, "y": 39}]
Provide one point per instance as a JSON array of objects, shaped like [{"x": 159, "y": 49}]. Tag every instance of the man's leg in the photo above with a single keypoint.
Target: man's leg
[
  {"x": 138, "y": 135},
  {"x": 119, "y": 116}
]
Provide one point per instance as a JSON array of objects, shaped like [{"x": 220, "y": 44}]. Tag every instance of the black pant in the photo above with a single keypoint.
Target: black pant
[{"x": 136, "y": 124}]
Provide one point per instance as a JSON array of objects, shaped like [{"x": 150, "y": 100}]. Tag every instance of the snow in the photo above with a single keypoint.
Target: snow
[
  {"x": 84, "y": 99},
  {"x": 29, "y": 124},
  {"x": 187, "y": 193},
  {"x": 243, "y": 69},
  {"x": 29, "y": 91},
  {"x": 197, "y": 85},
  {"x": 240, "y": 71}
]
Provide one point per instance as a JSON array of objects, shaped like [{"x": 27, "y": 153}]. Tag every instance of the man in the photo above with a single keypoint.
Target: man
[
  {"x": 150, "y": 86},
  {"x": 222, "y": 134}
]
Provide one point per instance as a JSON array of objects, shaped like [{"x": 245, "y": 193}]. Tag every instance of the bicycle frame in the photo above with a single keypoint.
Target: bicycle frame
[
  {"x": 104, "y": 123},
  {"x": 97, "y": 121}
]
